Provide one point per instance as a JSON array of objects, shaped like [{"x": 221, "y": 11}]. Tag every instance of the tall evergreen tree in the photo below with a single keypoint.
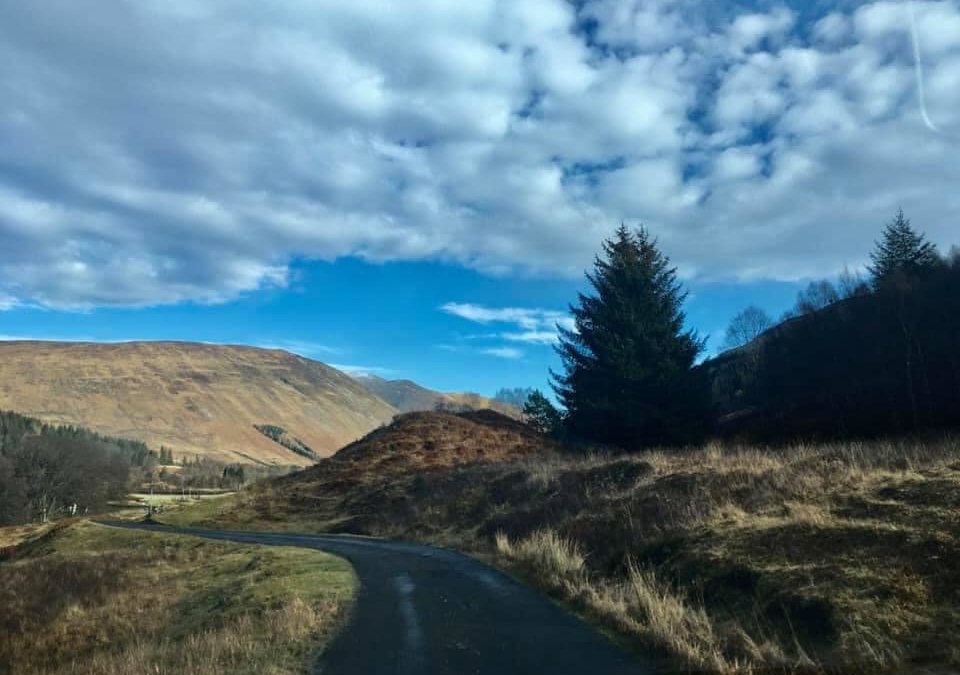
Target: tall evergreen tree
[
  {"x": 901, "y": 250},
  {"x": 629, "y": 377},
  {"x": 539, "y": 413}
]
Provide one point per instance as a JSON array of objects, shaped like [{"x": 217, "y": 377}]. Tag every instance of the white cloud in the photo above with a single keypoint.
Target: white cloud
[
  {"x": 832, "y": 29},
  {"x": 534, "y": 326},
  {"x": 749, "y": 30},
  {"x": 166, "y": 151},
  {"x": 361, "y": 371},
  {"x": 302, "y": 347},
  {"x": 523, "y": 317},
  {"x": 540, "y": 337},
  {"x": 503, "y": 353}
]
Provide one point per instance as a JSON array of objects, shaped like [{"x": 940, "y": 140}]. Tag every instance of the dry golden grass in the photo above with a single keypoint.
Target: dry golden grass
[
  {"x": 558, "y": 561},
  {"x": 99, "y": 601},
  {"x": 838, "y": 557},
  {"x": 813, "y": 557},
  {"x": 640, "y": 605},
  {"x": 18, "y": 534}
]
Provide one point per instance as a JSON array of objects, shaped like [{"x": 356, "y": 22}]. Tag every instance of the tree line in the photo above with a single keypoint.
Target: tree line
[
  {"x": 49, "y": 471},
  {"x": 876, "y": 357},
  {"x": 853, "y": 358}
]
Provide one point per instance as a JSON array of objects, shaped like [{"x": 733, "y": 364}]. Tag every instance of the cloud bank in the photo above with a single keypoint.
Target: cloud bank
[{"x": 156, "y": 152}]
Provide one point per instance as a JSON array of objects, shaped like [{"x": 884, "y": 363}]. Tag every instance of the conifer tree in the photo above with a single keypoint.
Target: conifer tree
[
  {"x": 628, "y": 375},
  {"x": 541, "y": 414},
  {"x": 901, "y": 251}
]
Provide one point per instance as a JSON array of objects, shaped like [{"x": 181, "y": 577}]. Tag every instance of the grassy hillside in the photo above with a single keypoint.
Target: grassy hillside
[
  {"x": 91, "y": 600},
  {"x": 408, "y": 396},
  {"x": 195, "y": 399},
  {"x": 730, "y": 559}
]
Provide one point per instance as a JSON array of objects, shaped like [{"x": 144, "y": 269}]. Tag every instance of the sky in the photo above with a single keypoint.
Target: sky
[{"x": 414, "y": 189}]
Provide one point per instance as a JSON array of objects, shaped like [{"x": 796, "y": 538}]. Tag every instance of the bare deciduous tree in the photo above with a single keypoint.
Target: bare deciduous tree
[
  {"x": 816, "y": 296},
  {"x": 746, "y": 326}
]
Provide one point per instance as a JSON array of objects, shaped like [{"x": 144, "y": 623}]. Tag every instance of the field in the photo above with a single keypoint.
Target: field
[
  {"x": 833, "y": 557},
  {"x": 95, "y": 600},
  {"x": 148, "y": 499}
]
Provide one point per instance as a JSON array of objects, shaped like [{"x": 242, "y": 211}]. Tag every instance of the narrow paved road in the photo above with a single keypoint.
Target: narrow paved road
[{"x": 423, "y": 610}]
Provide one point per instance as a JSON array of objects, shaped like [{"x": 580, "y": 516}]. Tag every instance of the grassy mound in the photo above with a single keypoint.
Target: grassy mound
[
  {"x": 96, "y": 600},
  {"x": 810, "y": 558}
]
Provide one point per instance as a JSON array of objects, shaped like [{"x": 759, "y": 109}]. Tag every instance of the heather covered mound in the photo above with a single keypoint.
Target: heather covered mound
[
  {"x": 824, "y": 558},
  {"x": 434, "y": 440},
  {"x": 368, "y": 480}
]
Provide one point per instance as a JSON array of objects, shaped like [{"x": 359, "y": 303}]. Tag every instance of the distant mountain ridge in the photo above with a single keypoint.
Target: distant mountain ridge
[
  {"x": 408, "y": 396},
  {"x": 195, "y": 399}
]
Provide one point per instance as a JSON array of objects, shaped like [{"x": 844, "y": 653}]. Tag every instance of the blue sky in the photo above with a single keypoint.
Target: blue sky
[
  {"x": 395, "y": 320},
  {"x": 416, "y": 188}
]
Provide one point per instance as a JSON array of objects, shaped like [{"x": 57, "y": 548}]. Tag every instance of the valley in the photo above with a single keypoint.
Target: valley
[{"x": 565, "y": 337}]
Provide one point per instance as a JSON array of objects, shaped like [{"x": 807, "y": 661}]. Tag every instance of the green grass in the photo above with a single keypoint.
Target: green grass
[
  {"x": 171, "y": 499},
  {"x": 94, "y": 599},
  {"x": 175, "y": 499}
]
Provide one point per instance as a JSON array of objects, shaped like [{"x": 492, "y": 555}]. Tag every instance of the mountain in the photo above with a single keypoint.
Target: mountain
[
  {"x": 408, "y": 396},
  {"x": 196, "y": 399}
]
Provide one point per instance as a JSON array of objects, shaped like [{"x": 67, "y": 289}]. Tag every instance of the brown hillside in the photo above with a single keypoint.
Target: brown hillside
[
  {"x": 196, "y": 399},
  {"x": 408, "y": 396},
  {"x": 370, "y": 478},
  {"x": 435, "y": 440}
]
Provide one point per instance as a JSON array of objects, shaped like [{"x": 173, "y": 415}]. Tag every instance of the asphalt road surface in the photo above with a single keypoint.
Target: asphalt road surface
[{"x": 424, "y": 610}]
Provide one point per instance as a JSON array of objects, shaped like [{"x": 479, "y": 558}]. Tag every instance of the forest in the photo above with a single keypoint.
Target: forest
[
  {"x": 855, "y": 358},
  {"x": 49, "y": 471},
  {"x": 867, "y": 359}
]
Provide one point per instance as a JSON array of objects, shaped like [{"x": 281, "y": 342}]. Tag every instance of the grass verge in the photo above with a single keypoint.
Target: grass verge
[
  {"x": 836, "y": 558},
  {"x": 96, "y": 600}
]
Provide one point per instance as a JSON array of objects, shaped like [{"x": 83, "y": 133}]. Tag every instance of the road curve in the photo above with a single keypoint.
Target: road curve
[{"x": 428, "y": 611}]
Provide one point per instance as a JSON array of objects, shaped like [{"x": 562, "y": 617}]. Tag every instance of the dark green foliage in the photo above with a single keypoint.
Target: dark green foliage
[
  {"x": 14, "y": 427},
  {"x": 271, "y": 431},
  {"x": 901, "y": 252},
  {"x": 234, "y": 474},
  {"x": 541, "y": 414},
  {"x": 516, "y": 397},
  {"x": 13, "y": 501},
  {"x": 203, "y": 473},
  {"x": 279, "y": 435},
  {"x": 166, "y": 456},
  {"x": 628, "y": 378}
]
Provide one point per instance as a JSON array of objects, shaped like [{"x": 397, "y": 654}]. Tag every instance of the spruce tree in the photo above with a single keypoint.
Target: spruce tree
[
  {"x": 628, "y": 366},
  {"x": 901, "y": 251},
  {"x": 539, "y": 413}
]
